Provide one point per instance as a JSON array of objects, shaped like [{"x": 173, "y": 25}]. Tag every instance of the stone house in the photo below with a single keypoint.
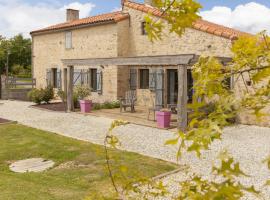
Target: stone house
[{"x": 112, "y": 54}]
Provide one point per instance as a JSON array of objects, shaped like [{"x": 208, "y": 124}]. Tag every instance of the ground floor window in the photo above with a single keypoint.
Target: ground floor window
[
  {"x": 93, "y": 83},
  {"x": 172, "y": 83},
  {"x": 144, "y": 78},
  {"x": 54, "y": 78}
]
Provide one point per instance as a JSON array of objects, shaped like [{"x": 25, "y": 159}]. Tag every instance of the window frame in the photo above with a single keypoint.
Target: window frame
[
  {"x": 144, "y": 78},
  {"x": 68, "y": 39},
  {"x": 143, "y": 25}
]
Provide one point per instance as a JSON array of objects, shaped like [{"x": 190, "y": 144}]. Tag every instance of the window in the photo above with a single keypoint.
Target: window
[
  {"x": 144, "y": 78},
  {"x": 68, "y": 40},
  {"x": 93, "y": 83},
  {"x": 54, "y": 78},
  {"x": 144, "y": 32}
]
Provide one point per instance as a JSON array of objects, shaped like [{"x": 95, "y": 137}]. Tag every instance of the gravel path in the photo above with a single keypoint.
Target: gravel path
[{"x": 248, "y": 144}]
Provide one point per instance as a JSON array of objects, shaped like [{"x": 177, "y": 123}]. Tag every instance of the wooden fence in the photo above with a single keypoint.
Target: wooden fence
[
  {"x": 13, "y": 82},
  {"x": 16, "y": 88}
]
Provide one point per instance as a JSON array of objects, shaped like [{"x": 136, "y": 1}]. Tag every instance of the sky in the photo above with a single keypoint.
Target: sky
[{"x": 23, "y": 16}]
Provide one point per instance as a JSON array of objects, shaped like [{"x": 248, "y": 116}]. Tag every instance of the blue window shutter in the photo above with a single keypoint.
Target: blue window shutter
[
  {"x": 152, "y": 79},
  {"x": 159, "y": 103},
  {"x": 99, "y": 81},
  {"x": 49, "y": 77},
  {"x": 59, "y": 78},
  {"x": 77, "y": 77}
]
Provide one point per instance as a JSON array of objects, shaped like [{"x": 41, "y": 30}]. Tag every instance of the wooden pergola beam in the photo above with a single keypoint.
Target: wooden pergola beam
[{"x": 183, "y": 59}]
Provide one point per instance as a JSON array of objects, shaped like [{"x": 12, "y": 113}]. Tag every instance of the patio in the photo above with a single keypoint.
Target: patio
[{"x": 139, "y": 117}]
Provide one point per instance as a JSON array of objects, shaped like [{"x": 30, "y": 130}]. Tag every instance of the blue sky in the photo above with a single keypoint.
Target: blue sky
[
  {"x": 23, "y": 16},
  {"x": 107, "y": 5}
]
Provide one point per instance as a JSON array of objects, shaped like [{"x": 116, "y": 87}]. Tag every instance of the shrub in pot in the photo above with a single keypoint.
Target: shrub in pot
[{"x": 82, "y": 92}]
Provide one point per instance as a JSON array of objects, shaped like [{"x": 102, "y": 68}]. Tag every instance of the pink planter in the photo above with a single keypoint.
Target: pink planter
[
  {"x": 163, "y": 119},
  {"x": 86, "y": 106}
]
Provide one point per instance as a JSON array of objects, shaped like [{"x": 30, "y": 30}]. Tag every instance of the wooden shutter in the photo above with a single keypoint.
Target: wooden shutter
[
  {"x": 159, "y": 88},
  {"x": 68, "y": 40},
  {"x": 49, "y": 77},
  {"x": 77, "y": 77},
  {"x": 99, "y": 81},
  {"x": 133, "y": 79},
  {"x": 88, "y": 83},
  {"x": 152, "y": 79},
  {"x": 59, "y": 78}
]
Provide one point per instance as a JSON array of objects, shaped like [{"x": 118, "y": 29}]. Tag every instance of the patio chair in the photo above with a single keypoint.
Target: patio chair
[
  {"x": 152, "y": 109},
  {"x": 129, "y": 101}
]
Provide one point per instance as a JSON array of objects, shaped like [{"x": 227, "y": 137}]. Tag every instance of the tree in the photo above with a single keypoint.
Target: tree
[
  {"x": 20, "y": 52},
  {"x": 217, "y": 108}
]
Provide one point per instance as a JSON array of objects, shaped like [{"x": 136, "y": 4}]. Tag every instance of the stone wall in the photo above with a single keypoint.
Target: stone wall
[
  {"x": 192, "y": 41},
  {"x": 91, "y": 42}
]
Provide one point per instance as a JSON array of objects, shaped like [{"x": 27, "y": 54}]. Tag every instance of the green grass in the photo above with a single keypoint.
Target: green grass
[{"x": 80, "y": 169}]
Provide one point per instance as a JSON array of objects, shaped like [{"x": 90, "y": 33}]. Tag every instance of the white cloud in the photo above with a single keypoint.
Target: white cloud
[
  {"x": 20, "y": 17},
  {"x": 251, "y": 17}
]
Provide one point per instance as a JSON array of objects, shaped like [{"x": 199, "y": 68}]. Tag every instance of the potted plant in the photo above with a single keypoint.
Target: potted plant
[
  {"x": 82, "y": 92},
  {"x": 163, "y": 118}
]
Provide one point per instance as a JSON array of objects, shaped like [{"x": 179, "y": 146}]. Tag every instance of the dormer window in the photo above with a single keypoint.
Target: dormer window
[
  {"x": 143, "y": 26},
  {"x": 68, "y": 40}
]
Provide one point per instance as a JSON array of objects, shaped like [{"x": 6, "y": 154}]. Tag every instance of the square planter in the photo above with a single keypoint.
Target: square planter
[
  {"x": 86, "y": 106},
  {"x": 163, "y": 119}
]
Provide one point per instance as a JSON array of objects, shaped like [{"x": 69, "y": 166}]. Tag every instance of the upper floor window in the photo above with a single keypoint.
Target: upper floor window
[
  {"x": 143, "y": 26},
  {"x": 68, "y": 40}
]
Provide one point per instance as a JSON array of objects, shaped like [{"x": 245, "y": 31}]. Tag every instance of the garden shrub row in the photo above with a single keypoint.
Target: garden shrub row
[{"x": 39, "y": 96}]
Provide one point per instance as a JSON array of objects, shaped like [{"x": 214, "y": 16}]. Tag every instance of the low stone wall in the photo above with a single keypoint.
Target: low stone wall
[
  {"x": 17, "y": 94},
  {"x": 247, "y": 118}
]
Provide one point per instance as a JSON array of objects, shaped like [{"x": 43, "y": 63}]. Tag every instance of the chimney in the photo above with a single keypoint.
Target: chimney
[
  {"x": 72, "y": 15},
  {"x": 149, "y": 2}
]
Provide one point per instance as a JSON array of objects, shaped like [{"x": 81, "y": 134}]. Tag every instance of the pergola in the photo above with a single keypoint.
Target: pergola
[{"x": 182, "y": 61}]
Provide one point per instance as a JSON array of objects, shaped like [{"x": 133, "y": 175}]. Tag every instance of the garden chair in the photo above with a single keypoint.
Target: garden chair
[
  {"x": 152, "y": 109},
  {"x": 129, "y": 101}
]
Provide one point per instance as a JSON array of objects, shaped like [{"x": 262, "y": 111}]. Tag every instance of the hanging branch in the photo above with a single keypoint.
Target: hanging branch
[{"x": 108, "y": 163}]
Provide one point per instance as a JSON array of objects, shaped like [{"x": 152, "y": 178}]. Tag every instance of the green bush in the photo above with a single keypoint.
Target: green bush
[
  {"x": 107, "y": 105},
  {"x": 75, "y": 100},
  {"x": 41, "y": 95},
  {"x": 62, "y": 95},
  {"x": 36, "y": 95},
  {"x": 81, "y": 92},
  {"x": 48, "y": 94}
]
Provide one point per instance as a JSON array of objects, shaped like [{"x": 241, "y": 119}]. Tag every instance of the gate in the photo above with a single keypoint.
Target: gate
[{"x": 16, "y": 88}]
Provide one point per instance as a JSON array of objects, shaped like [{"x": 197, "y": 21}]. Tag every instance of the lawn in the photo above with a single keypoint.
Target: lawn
[{"x": 80, "y": 169}]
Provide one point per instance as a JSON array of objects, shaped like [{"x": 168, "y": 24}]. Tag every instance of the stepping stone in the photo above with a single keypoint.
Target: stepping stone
[{"x": 31, "y": 165}]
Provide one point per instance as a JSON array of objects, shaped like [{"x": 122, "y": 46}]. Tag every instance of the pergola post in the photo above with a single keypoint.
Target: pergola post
[
  {"x": 70, "y": 74},
  {"x": 182, "y": 98},
  {"x": 65, "y": 80}
]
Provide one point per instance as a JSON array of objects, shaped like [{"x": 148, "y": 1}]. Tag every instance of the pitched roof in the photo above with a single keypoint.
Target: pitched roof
[
  {"x": 201, "y": 25},
  {"x": 108, "y": 17}
]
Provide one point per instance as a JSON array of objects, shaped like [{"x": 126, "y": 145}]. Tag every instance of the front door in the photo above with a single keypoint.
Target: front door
[{"x": 172, "y": 83}]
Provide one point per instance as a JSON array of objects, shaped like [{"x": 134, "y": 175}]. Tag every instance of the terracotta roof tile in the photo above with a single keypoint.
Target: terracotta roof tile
[
  {"x": 108, "y": 17},
  {"x": 201, "y": 25}
]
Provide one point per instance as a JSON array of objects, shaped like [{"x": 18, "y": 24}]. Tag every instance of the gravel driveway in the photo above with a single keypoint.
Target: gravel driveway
[{"x": 248, "y": 144}]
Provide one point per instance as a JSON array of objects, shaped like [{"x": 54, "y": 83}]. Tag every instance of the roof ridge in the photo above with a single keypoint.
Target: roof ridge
[
  {"x": 201, "y": 24},
  {"x": 105, "y": 17}
]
